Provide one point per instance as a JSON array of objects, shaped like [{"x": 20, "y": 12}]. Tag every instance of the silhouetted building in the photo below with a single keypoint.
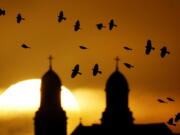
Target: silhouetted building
[
  {"x": 117, "y": 119},
  {"x": 50, "y": 119}
]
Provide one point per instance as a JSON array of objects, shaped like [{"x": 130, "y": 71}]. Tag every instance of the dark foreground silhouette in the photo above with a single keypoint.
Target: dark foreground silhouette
[{"x": 117, "y": 119}]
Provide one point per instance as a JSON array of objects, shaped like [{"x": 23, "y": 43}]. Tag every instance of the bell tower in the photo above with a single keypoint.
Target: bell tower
[
  {"x": 117, "y": 113},
  {"x": 50, "y": 119}
]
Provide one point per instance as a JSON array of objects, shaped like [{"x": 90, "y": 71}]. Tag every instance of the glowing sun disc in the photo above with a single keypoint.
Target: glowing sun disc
[{"x": 25, "y": 95}]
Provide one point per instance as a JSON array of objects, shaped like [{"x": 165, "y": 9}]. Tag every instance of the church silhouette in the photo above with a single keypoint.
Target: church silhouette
[{"x": 117, "y": 119}]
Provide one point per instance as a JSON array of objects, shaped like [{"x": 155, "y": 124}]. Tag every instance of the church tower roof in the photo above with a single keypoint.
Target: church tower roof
[
  {"x": 50, "y": 77},
  {"x": 117, "y": 78}
]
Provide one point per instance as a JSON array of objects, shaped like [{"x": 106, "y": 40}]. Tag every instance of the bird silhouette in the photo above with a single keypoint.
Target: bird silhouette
[
  {"x": 19, "y": 18},
  {"x": 128, "y": 65},
  {"x": 171, "y": 122},
  {"x": 149, "y": 47},
  {"x": 112, "y": 24},
  {"x": 100, "y": 26},
  {"x": 96, "y": 70},
  {"x": 61, "y": 17},
  {"x": 164, "y": 51},
  {"x": 83, "y": 47},
  {"x": 177, "y": 118},
  {"x": 161, "y": 101},
  {"x": 2, "y": 12},
  {"x": 75, "y": 71},
  {"x": 127, "y": 48},
  {"x": 170, "y": 99},
  {"x": 77, "y": 26},
  {"x": 25, "y": 46}
]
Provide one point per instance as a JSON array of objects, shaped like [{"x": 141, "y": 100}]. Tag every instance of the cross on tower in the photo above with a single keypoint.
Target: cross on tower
[
  {"x": 117, "y": 62},
  {"x": 50, "y": 61}
]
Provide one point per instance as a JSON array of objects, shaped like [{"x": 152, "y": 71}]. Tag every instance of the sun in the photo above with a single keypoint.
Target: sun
[{"x": 25, "y": 96}]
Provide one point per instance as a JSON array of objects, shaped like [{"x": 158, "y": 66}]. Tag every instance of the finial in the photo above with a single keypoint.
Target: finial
[
  {"x": 50, "y": 62},
  {"x": 117, "y": 63}
]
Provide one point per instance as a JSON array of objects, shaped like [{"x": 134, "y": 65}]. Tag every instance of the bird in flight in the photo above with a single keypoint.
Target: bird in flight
[
  {"x": 170, "y": 99},
  {"x": 164, "y": 51},
  {"x": 96, "y": 70},
  {"x": 100, "y": 26},
  {"x": 128, "y": 65},
  {"x": 77, "y": 26},
  {"x": 61, "y": 17},
  {"x": 25, "y": 46},
  {"x": 2, "y": 12},
  {"x": 112, "y": 24},
  {"x": 170, "y": 122},
  {"x": 75, "y": 71},
  {"x": 149, "y": 47},
  {"x": 177, "y": 118},
  {"x": 127, "y": 48},
  {"x": 161, "y": 101},
  {"x": 83, "y": 47},
  {"x": 19, "y": 18}
]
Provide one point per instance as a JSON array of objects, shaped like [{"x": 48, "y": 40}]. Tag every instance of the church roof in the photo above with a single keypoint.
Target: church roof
[
  {"x": 117, "y": 77},
  {"x": 141, "y": 129},
  {"x": 157, "y": 128},
  {"x": 87, "y": 130}
]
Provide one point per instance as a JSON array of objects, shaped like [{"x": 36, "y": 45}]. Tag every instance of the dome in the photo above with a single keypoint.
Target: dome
[
  {"x": 51, "y": 78},
  {"x": 117, "y": 80}
]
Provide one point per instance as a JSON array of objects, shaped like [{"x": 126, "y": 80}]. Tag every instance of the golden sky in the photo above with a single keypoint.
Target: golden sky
[{"x": 138, "y": 21}]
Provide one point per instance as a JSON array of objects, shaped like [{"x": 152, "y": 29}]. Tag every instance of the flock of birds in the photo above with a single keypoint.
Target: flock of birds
[
  {"x": 148, "y": 49},
  {"x": 61, "y": 18},
  {"x": 100, "y": 26},
  {"x": 95, "y": 69},
  {"x": 77, "y": 27},
  {"x": 177, "y": 116}
]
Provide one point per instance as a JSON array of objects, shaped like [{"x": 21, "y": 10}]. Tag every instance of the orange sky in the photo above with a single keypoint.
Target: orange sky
[{"x": 138, "y": 21}]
